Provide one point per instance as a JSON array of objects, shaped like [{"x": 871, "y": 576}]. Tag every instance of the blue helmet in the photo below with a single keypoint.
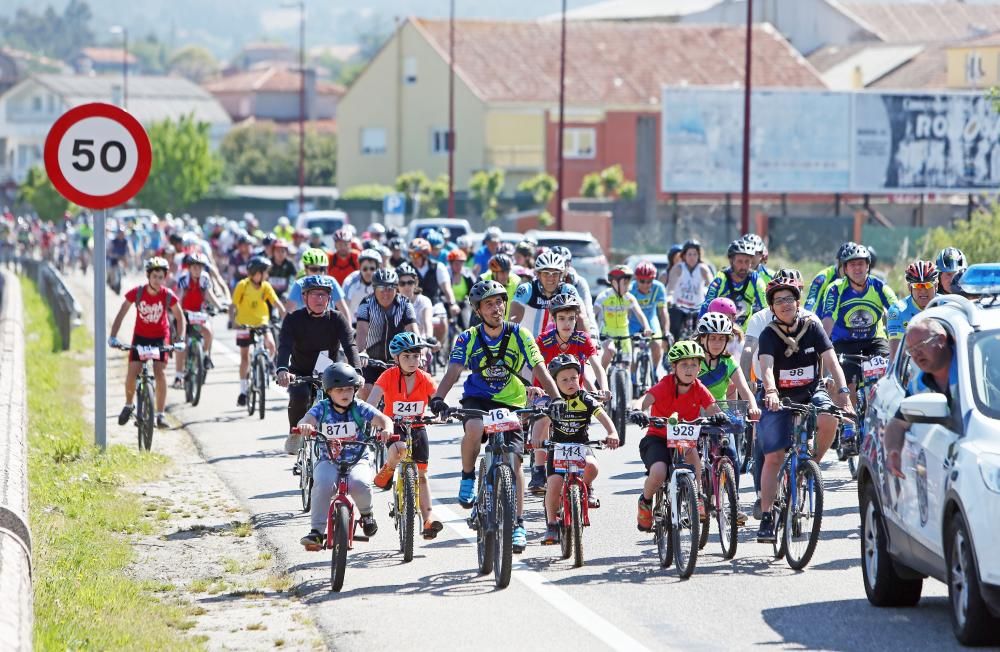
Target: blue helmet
[
  {"x": 435, "y": 238},
  {"x": 317, "y": 282},
  {"x": 405, "y": 341}
]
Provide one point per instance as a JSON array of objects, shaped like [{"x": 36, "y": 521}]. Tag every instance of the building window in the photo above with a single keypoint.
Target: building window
[
  {"x": 410, "y": 70},
  {"x": 52, "y": 103},
  {"x": 36, "y": 104},
  {"x": 580, "y": 143},
  {"x": 439, "y": 141},
  {"x": 373, "y": 140},
  {"x": 974, "y": 68}
]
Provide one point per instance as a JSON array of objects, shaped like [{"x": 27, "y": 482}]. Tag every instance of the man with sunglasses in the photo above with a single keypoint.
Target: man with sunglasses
[
  {"x": 358, "y": 284},
  {"x": 922, "y": 279},
  {"x": 381, "y": 316},
  {"x": 315, "y": 263}
]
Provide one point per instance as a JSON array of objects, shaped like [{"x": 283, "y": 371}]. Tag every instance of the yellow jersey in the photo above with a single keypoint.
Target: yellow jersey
[{"x": 253, "y": 304}]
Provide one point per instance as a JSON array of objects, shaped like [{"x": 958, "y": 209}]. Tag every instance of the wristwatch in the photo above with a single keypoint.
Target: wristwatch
[{"x": 844, "y": 390}]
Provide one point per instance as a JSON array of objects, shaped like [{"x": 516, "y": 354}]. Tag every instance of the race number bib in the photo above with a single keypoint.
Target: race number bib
[
  {"x": 875, "y": 367},
  {"x": 799, "y": 377},
  {"x": 683, "y": 435},
  {"x": 279, "y": 283},
  {"x": 148, "y": 352},
  {"x": 197, "y": 318},
  {"x": 322, "y": 362},
  {"x": 569, "y": 457},
  {"x": 243, "y": 334},
  {"x": 500, "y": 420},
  {"x": 345, "y": 430},
  {"x": 408, "y": 408},
  {"x": 687, "y": 295}
]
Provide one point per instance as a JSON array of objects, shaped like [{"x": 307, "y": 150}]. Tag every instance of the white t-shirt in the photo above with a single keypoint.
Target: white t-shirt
[
  {"x": 355, "y": 290},
  {"x": 758, "y": 322},
  {"x": 422, "y": 306}
]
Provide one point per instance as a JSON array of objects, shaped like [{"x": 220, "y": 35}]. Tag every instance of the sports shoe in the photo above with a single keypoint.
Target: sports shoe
[
  {"x": 431, "y": 529},
  {"x": 593, "y": 502},
  {"x": 645, "y": 516},
  {"x": 741, "y": 517},
  {"x": 765, "y": 533},
  {"x": 467, "y": 493},
  {"x": 161, "y": 422},
  {"x": 178, "y": 382},
  {"x": 520, "y": 540},
  {"x": 208, "y": 363},
  {"x": 551, "y": 535},
  {"x": 368, "y": 525},
  {"x": 383, "y": 479},
  {"x": 292, "y": 444},
  {"x": 313, "y": 541},
  {"x": 125, "y": 415},
  {"x": 242, "y": 400},
  {"x": 537, "y": 484},
  {"x": 758, "y": 513}
]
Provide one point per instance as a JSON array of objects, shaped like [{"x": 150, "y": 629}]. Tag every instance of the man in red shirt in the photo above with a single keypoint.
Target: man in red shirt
[
  {"x": 152, "y": 302},
  {"x": 343, "y": 260}
]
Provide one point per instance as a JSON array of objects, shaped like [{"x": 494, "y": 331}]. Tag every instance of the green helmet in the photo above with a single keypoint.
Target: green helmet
[
  {"x": 314, "y": 257},
  {"x": 685, "y": 349}
]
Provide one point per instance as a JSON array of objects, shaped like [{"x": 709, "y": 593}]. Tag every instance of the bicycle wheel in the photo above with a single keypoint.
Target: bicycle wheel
[
  {"x": 576, "y": 516},
  {"x": 409, "y": 510},
  {"x": 662, "y": 530},
  {"x": 620, "y": 408},
  {"x": 338, "y": 563},
  {"x": 780, "y": 510},
  {"x": 727, "y": 509},
  {"x": 305, "y": 474},
  {"x": 852, "y": 466},
  {"x": 706, "y": 490},
  {"x": 188, "y": 378},
  {"x": 686, "y": 533},
  {"x": 643, "y": 382},
  {"x": 746, "y": 452},
  {"x": 503, "y": 524},
  {"x": 252, "y": 390},
  {"x": 146, "y": 420},
  {"x": 485, "y": 535},
  {"x": 565, "y": 535},
  {"x": 805, "y": 515},
  {"x": 199, "y": 371},
  {"x": 262, "y": 385}
]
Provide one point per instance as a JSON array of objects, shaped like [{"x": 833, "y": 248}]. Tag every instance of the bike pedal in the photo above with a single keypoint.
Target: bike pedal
[
  {"x": 314, "y": 548},
  {"x": 361, "y": 537}
]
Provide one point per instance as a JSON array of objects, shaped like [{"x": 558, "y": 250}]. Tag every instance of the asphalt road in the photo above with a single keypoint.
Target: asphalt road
[{"x": 620, "y": 599}]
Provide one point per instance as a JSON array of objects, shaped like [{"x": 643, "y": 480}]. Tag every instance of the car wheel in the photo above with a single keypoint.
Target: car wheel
[
  {"x": 970, "y": 618},
  {"x": 883, "y": 586}
]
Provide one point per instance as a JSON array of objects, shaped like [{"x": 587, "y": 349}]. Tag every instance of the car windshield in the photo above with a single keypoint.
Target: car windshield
[
  {"x": 985, "y": 363},
  {"x": 579, "y": 248},
  {"x": 328, "y": 224},
  {"x": 455, "y": 231}
]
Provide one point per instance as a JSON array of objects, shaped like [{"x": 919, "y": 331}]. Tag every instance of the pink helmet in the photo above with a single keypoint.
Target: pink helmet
[{"x": 723, "y": 305}]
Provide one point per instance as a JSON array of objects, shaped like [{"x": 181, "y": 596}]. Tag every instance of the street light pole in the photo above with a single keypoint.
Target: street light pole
[
  {"x": 451, "y": 110},
  {"x": 747, "y": 88},
  {"x": 562, "y": 121},
  {"x": 121, "y": 29},
  {"x": 302, "y": 105}
]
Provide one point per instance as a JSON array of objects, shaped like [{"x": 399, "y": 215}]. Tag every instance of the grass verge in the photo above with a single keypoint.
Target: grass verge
[{"x": 80, "y": 515}]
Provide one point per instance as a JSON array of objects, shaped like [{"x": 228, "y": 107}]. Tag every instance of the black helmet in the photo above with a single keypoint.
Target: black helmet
[
  {"x": 406, "y": 269},
  {"x": 501, "y": 263},
  {"x": 341, "y": 374},
  {"x": 258, "y": 264},
  {"x": 854, "y": 251},
  {"x": 690, "y": 244},
  {"x": 951, "y": 259},
  {"x": 484, "y": 290},
  {"x": 385, "y": 278},
  {"x": 564, "y": 361},
  {"x": 744, "y": 247},
  {"x": 269, "y": 240}
]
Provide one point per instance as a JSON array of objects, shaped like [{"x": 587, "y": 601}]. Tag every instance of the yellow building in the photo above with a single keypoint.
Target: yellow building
[{"x": 974, "y": 64}]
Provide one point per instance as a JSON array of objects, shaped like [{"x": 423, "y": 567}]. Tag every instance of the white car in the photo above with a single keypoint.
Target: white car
[
  {"x": 943, "y": 519},
  {"x": 456, "y": 227},
  {"x": 330, "y": 221},
  {"x": 588, "y": 257}
]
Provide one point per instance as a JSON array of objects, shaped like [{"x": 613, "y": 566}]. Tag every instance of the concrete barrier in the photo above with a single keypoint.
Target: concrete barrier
[{"x": 15, "y": 538}]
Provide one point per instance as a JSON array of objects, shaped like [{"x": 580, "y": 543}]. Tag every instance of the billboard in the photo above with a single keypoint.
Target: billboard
[{"x": 821, "y": 141}]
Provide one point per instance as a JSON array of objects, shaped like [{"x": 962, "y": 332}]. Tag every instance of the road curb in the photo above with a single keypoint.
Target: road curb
[{"x": 16, "y": 615}]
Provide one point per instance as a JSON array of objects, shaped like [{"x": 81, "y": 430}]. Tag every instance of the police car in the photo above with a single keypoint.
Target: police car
[{"x": 943, "y": 519}]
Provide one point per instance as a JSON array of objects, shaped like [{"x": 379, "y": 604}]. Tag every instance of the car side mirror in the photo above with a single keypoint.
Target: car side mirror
[{"x": 925, "y": 408}]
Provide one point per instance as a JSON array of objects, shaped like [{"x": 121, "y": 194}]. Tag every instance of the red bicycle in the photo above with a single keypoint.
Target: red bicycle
[
  {"x": 569, "y": 460},
  {"x": 341, "y": 526},
  {"x": 718, "y": 481}
]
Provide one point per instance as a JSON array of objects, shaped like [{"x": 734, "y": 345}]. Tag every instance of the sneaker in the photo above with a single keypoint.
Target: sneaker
[
  {"x": 242, "y": 400},
  {"x": 383, "y": 479},
  {"x": 757, "y": 511},
  {"x": 645, "y": 516},
  {"x": 467, "y": 493},
  {"x": 297, "y": 468},
  {"x": 551, "y": 535},
  {"x": 520, "y": 540},
  {"x": 368, "y": 525},
  {"x": 765, "y": 533},
  {"x": 178, "y": 382},
  {"x": 741, "y": 518},
  {"x": 208, "y": 363},
  {"x": 125, "y": 415},
  {"x": 313, "y": 541},
  {"x": 292, "y": 444},
  {"x": 593, "y": 502},
  {"x": 431, "y": 529},
  {"x": 537, "y": 484},
  {"x": 161, "y": 422}
]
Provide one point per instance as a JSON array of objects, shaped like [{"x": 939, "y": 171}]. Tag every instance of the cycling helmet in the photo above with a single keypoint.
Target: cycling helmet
[
  {"x": 269, "y": 240},
  {"x": 405, "y": 341},
  {"x": 385, "y": 278},
  {"x": 873, "y": 255},
  {"x": 564, "y": 301},
  {"x": 406, "y": 269},
  {"x": 244, "y": 239},
  {"x": 493, "y": 233},
  {"x": 314, "y": 258},
  {"x": 196, "y": 259},
  {"x": 316, "y": 232},
  {"x": 564, "y": 361},
  {"x": 566, "y": 254},
  {"x": 744, "y": 247},
  {"x": 525, "y": 248},
  {"x": 506, "y": 248},
  {"x": 685, "y": 349},
  {"x": 258, "y": 264},
  {"x": 341, "y": 374},
  {"x": 951, "y": 259},
  {"x": 756, "y": 242},
  {"x": 370, "y": 254},
  {"x": 484, "y": 290},
  {"x": 317, "y": 282},
  {"x": 434, "y": 238},
  {"x": 645, "y": 271},
  {"x": 712, "y": 323},
  {"x": 855, "y": 252},
  {"x": 501, "y": 263},
  {"x": 844, "y": 248},
  {"x": 723, "y": 305},
  {"x": 376, "y": 229},
  {"x": 283, "y": 221},
  {"x": 279, "y": 243},
  {"x": 782, "y": 283},
  {"x": 690, "y": 244},
  {"x": 457, "y": 254},
  {"x": 341, "y": 235},
  {"x": 156, "y": 263},
  {"x": 793, "y": 276},
  {"x": 420, "y": 246},
  {"x": 921, "y": 271},
  {"x": 674, "y": 250},
  {"x": 550, "y": 260},
  {"x": 395, "y": 243},
  {"x": 619, "y": 272}
]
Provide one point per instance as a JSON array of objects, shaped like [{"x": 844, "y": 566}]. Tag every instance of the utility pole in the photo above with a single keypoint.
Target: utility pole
[
  {"x": 562, "y": 121},
  {"x": 747, "y": 88},
  {"x": 302, "y": 106},
  {"x": 121, "y": 29},
  {"x": 451, "y": 111}
]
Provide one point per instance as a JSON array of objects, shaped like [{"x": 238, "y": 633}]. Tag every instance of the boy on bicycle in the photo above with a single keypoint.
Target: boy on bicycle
[
  {"x": 341, "y": 406},
  {"x": 679, "y": 394},
  {"x": 572, "y": 428},
  {"x": 253, "y": 298},
  {"x": 408, "y": 388},
  {"x": 195, "y": 289},
  {"x": 612, "y": 308}
]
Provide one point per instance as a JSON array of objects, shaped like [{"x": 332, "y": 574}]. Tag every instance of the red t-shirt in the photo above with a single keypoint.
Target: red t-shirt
[
  {"x": 688, "y": 406},
  {"x": 192, "y": 293},
  {"x": 153, "y": 310},
  {"x": 340, "y": 268},
  {"x": 579, "y": 346},
  {"x": 393, "y": 386}
]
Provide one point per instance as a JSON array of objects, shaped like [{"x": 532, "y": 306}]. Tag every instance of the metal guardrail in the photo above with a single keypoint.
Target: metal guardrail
[{"x": 65, "y": 308}]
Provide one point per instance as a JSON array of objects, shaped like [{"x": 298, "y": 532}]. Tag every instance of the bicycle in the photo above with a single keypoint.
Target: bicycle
[
  {"x": 645, "y": 370},
  {"x": 405, "y": 507},
  {"x": 689, "y": 323},
  {"x": 306, "y": 456},
  {"x": 114, "y": 276},
  {"x": 144, "y": 406},
  {"x": 718, "y": 485},
  {"x": 341, "y": 526},
  {"x": 872, "y": 369},
  {"x": 381, "y": 451},
  {"x": 260, "y": 368},
  {"x": 620, "y": 384},
  {"x": 569, "y": 460},
  {"x": 800, "y": 511},
  {"x": 194, "y": 364}
]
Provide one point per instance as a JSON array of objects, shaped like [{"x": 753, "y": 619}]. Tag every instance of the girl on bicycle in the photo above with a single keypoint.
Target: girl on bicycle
[
  {"x": 403, "y": 386},
  {"x": 720, "y": 373},
  {"x": 572, "y": 428}
]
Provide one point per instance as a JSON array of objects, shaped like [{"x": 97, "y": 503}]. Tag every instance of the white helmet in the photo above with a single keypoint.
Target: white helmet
[
  {"x": 550, "y": 260},
  {"x": 283, "y": 221},
  {"x": 715, "y": 323}
]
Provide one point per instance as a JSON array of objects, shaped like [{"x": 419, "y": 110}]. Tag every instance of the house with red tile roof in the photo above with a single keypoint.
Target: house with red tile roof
[{"x": 271, "y": 92}]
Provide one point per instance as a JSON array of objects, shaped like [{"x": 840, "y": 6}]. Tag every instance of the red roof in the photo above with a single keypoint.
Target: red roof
[
  {"x": 106, "y": 55},
  {"x": 611, "y": 63},
  {"x": 273, "y": 79}
]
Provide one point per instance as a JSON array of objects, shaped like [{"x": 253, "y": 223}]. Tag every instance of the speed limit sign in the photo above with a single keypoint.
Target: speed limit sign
[{"x": 97, "y": 155}]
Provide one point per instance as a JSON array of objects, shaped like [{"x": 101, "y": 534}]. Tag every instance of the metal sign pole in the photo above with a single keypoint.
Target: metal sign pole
[{"x": 100, "y": 331}]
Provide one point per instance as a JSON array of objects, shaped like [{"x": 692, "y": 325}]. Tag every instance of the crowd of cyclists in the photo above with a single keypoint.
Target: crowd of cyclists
[{"x": 375, "y": 317}]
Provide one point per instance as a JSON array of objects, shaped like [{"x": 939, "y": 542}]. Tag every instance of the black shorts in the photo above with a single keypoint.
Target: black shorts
[
  {"x": 513, "y": 438},
  {"x": 133, "y": 355},
  {"x": 654, "y": 449},
  {"x": 869, "y": 348},
  {"x": 421, "y": 447},
  {"x": 371, "y": 373},
  {"x": 244, "y": 342}
]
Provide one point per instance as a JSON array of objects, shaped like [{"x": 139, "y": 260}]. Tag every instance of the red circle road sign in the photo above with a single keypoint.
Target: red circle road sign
[{"x": 97, "y": 155}]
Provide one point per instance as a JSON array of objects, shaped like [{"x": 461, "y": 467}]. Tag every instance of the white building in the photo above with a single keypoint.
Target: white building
[{"x": 29, "y": 109}]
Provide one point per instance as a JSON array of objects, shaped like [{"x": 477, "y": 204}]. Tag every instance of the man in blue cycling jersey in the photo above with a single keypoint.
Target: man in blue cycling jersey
[{"x": 922, "y": 278}]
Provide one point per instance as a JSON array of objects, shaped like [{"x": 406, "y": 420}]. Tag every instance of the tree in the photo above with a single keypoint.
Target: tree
[
  {"x": 184, "y": 167},
  {"x": 59, "y": 36},
  {"x": 39, "y": 192},
  {"x": 485, "y": 187},
  {"x": 542, "y": 187},
  {"x": 609, "y": 182},
  {"x": 437, "y": 192},
  {"x": 194, "y": 62},
  {"x": 151, "y": 54},
  {"x": 258, "y": 155},
  {"x": 592, "y": 186}
]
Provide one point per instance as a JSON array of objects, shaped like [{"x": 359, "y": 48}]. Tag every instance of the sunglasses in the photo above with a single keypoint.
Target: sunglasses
[
  {"x": 922, "y": 286},
  {"x": 922, "y": 345},
  {"x": 405, "y": 283},
  {"x": 368, "y": 269},
  {"x": 781, "y": 301},
  {"x": 319, "y": 269}
]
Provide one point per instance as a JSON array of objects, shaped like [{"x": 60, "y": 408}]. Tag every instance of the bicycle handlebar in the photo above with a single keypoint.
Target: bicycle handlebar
[
  {"x": 168, "y": 348},
  {"x": 803, "y": 408},
  {"x": 315, "y": 381},
  {"x": 592, "y": 443}
]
